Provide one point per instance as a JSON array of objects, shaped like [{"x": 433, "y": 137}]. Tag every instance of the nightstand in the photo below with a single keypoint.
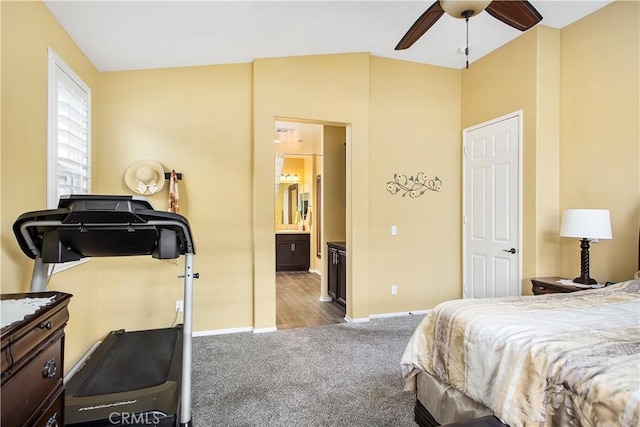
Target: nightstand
[{"x": 550, "y": 285}]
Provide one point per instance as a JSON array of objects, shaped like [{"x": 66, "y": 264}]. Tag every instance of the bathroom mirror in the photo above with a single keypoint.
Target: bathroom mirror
[
  {"x": 292, "y": 193},
  {"x": 303, "y": 205},
  {"x": 287, "y": 205},
  {"x": 292, "y": 204}
]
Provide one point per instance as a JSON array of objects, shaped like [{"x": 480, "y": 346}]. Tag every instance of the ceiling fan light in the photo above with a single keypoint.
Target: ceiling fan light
[{"x": 456, "y": 8}]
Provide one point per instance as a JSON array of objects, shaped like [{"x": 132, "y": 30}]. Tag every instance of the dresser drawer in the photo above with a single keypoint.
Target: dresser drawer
[
  {"x": 34, "y": 384},
  {"x": 16, "y": 345},
  {"x": 53, "y": 415}
]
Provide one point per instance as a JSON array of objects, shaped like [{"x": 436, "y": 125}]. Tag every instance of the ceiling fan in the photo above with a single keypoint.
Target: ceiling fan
[{"x": 519, "y": 14}]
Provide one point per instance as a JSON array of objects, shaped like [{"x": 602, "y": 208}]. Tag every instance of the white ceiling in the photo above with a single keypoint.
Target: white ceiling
[{"x": 130, "y": 35}]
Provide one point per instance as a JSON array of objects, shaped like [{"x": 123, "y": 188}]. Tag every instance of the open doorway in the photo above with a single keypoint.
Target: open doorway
[{"x": 308, "y": 155}]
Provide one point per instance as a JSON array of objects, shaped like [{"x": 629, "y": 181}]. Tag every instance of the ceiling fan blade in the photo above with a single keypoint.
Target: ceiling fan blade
[
  {"x": 421, "y": 26},
  {"x": 519, "y": 14}
]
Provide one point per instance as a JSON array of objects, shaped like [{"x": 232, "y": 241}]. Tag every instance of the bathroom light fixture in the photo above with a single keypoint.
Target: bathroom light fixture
[
  {"x": 285, "y": 135},
  {"x": 289, "y": 178}
]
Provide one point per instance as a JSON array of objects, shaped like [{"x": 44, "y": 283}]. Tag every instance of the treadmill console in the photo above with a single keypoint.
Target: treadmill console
[{"x": 102, "y": 226}]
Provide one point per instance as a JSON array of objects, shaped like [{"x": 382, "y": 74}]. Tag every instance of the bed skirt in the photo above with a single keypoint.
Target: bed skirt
[{"x": 438, "y": 404}]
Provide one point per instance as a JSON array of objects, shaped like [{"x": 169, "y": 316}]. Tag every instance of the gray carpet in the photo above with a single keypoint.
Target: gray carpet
[{"x": 337, "y": 375}]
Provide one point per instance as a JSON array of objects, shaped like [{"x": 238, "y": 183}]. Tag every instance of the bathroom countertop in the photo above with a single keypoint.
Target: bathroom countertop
[{"x": 292, "y": 232}]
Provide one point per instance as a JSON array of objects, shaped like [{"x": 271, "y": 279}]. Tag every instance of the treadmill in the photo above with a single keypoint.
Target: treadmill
[{"x": 131, "y": 378}]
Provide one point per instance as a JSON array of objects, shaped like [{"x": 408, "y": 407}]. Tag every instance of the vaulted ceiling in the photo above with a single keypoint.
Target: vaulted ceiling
[{"x": 128, "y": 35}]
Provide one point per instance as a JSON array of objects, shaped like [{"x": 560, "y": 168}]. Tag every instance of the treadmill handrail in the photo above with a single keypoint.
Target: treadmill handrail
[{"x": 122, "y": 226}]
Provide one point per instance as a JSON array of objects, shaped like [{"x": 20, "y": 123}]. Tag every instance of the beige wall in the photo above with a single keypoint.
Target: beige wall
[
  {"x": 578, "y": 89},
  {"x": 336, "y": 89},
  {"x": 415, "y": 127},
  {"x": 547, "y": 156},
  {"x": 215, "y": 125},
  {"x": 197, "y": 121},
  {"x": 27, "y": 30},
  {"x": 333, "y": 193},
  {"x": 600, "y": 148},
  {"x": 500, "y": 83},
  {"x": 333, "y": 184}
]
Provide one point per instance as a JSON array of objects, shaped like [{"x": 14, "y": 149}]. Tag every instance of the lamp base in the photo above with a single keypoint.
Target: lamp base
[
  {"x": 584, "y": 265},
  {"x": 585, "y": 280}
]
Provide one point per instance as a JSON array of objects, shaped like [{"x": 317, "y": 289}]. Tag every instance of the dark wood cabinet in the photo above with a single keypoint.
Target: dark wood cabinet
[
  {"x": 292, "y": 252},
  {"x": 337, "y": 272},
  {"x": 33, "y": 362},
  {"x": 550, "y": 285}
]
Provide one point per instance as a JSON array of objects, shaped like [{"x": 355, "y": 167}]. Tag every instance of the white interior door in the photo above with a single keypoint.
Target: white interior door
[{"x": 491, "y": 208}]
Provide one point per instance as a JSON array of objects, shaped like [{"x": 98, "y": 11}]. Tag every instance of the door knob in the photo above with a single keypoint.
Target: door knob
[{"x": 512, "y": 250}]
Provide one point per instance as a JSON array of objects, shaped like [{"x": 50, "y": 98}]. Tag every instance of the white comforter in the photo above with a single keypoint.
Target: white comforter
[{"x": 530, "y": 358}]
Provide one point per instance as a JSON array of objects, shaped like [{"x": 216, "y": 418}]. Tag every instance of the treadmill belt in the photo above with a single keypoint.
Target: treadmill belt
[{"x": 136, "y": 360}]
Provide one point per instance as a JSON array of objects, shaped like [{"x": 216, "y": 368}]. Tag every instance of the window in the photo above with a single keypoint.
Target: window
[{"x": 69, "y": 133}]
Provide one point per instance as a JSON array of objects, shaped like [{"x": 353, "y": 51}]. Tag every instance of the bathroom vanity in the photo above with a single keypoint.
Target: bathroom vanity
[
  {"x": 292, "y": 250},
  {"x": 337, "y": 271}
]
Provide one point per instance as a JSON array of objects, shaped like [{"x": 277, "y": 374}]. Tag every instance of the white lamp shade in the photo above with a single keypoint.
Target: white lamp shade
[{"x": 586, "y": 224}]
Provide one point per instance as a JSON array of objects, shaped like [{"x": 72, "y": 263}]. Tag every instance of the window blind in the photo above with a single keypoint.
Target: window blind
[{"x": 69, "y": 133}]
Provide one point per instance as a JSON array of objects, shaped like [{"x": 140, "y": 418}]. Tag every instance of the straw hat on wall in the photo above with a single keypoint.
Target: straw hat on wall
[{"x": 144, "y": 177}]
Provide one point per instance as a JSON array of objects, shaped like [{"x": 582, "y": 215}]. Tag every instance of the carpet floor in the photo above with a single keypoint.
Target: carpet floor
[{"x": 336, "y": 375}]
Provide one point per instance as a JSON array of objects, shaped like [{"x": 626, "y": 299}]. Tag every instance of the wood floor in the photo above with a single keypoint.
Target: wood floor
[{"x": 298, "y": 302}]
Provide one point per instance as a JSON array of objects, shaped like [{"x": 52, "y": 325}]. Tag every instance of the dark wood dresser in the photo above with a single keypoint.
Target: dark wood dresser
[{"x": 32, "y": 364}]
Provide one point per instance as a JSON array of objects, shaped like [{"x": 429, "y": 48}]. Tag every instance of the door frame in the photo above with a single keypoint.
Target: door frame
[{"x": 516, "y": 114}]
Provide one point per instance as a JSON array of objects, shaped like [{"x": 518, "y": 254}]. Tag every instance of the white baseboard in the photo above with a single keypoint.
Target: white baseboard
[
  {"x": 262, "y": 330},
  {"x": 357, "y": 319},
  {"x": 80, "y": 363},
  {"x": 326, "y": 299},
  {"x": 316, "y": 272},
  {"x": 221, "y": 331},
  {"x": 400, "y": 313}
]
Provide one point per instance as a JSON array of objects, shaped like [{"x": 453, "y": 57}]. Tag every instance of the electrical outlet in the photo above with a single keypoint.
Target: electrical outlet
[
  {"x": 179, "y": 306},
  {"x": 394, "y": 289},
  {"x": 394, "y": 230}
]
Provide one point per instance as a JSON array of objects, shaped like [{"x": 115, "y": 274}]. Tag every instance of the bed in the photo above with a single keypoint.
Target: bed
[{"x": 548, "y": 360}]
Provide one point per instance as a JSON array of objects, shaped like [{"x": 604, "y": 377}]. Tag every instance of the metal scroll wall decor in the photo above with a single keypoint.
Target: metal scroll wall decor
[{"x": 414, "y": 186}]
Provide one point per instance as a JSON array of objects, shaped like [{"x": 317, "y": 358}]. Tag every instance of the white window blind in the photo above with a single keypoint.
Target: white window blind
[{"x": 69, "y": 133}]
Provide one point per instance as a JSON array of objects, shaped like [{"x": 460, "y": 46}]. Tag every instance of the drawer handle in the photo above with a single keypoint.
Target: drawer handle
[
  {"x": 49, "y": 369},
  {"x": 53, "y": 422},
  {"x": 541, "y": 287},
  {"x": 47, "y": 325}
]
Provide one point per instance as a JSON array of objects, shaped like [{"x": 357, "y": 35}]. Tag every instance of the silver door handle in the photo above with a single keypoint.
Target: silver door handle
[{"x": 512, "y": 250}]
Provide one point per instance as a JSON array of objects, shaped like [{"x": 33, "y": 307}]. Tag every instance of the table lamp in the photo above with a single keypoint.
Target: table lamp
[{"x": 586, "y": 224}]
